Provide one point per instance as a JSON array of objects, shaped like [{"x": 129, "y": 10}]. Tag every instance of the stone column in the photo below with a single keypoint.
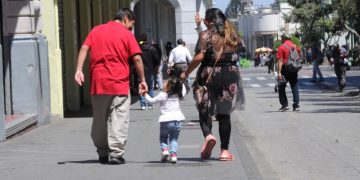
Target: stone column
[{"x": 50, "y": 17}]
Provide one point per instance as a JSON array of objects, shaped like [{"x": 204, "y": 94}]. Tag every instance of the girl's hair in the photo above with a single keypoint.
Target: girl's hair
[
  {"x": 222, "y": 25},
  {"x": 174, "y": 86}
]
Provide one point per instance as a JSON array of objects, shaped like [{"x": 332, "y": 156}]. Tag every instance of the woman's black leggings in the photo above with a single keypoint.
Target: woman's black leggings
[{"x": 224, "y": 128}]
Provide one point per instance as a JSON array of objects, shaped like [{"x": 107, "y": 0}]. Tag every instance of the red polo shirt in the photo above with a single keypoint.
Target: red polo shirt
[
  {"x": 111, "y": 46},
  {"x": 283, "y": 52}
]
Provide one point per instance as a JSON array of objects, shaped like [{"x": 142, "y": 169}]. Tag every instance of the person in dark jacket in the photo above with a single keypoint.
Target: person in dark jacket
[
  {"x": 339, "y": 54},
  {"x": 151, "y": 63},
  {"x": 157, "y": 74}
]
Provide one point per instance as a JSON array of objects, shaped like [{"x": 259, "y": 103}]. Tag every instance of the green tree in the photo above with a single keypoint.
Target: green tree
[
  {"x": 308, "y": 14},
  {"x": 276, "y": 5},
  {"x": 233, "y": 9},
  {"x": 347, "y": 16},
  {"x": 319, "y": 16}
]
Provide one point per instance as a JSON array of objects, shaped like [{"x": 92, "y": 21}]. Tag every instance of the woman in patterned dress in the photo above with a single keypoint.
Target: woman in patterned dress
[{"x": 225, "y": 90}]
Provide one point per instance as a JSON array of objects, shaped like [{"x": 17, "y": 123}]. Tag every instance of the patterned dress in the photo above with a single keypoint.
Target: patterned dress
[{"x": 225, "y": 89}]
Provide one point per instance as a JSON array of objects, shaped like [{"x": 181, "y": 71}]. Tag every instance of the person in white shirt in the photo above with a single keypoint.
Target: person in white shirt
[
  {"x": 179, "y": 58},
  {"x": 170, "y": 116}
]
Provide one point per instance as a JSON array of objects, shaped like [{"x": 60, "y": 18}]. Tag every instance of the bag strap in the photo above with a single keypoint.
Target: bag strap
[
  {"x": 212, "y": 70},
  {"x": 288, "y": 47}
]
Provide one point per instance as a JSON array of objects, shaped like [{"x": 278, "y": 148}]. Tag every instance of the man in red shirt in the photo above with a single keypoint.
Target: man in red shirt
[
  {"x": 285, "y": 76},
  {"x": 112, "y": 45}
]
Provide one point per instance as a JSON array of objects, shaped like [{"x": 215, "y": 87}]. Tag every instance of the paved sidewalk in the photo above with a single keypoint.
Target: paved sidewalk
[{"x": 63, "y": 150}]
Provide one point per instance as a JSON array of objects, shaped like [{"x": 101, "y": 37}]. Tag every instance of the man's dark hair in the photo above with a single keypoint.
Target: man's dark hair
[
  {"x": 122, "y": 13},
  {"x": 142, "y": 37},
  {"x": 180, "y": 41}
]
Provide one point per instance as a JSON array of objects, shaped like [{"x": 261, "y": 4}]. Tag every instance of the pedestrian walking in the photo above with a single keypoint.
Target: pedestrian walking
[
  {"x": 151, "y": 63},
  {"x": 317, "y": 59},
  {"x": 168, "y": 48},
  {"x": 328, "y": 52},
  {"x": 309, "y": 56},
  {"x": 179, "y": 58},
  {"x": 339, "y": 66},
  {"x": 170, "y": 116},
  {"x": 285, "y": 75},
  {"x": 158, "y": 78},
  {"x": 216, "y": 51},
  {"x": 111, "y": 45}
]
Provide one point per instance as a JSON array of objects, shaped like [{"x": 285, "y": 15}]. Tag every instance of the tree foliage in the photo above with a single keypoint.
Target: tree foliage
[
  {"x": 309, "y": 14},
  {"x": 347, "y": 16},
  {"x": 233, "y": 9},
  {"x": 317, "y": 18},
  {"x": 276, "y": 5}
]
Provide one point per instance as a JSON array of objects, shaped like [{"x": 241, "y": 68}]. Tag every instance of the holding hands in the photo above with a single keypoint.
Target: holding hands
[{"x": 143, "y": 88}]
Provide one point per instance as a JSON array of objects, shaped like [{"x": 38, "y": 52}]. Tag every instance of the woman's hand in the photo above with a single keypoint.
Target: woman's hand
[
  {"x": 183, "y": 76},
  {"x": 198, "y": 19}
]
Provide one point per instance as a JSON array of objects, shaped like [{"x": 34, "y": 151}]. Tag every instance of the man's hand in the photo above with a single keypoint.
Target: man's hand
[
  {"x": 143, "y": 88},
  {"x": 79, "y": 77}
]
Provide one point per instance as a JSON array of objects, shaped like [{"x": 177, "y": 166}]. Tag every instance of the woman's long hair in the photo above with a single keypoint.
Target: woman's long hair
[{"x": 223, "y": 27}]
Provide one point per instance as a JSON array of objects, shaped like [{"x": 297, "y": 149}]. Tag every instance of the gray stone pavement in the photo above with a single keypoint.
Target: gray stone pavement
[
  {"x": 322, "y": 141},
  {"x": 63, "y": 150},
  {"x": 319, "y": 142}
]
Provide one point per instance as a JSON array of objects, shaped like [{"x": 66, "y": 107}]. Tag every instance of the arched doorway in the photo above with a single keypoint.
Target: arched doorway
[{"x": 157, "y": 19}]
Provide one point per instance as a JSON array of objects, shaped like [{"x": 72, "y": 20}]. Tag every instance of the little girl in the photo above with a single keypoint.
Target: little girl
[{"x": 170, "y": 116}]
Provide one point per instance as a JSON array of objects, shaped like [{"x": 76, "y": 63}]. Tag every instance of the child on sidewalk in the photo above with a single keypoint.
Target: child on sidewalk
[{"x": 170, "y": 117}]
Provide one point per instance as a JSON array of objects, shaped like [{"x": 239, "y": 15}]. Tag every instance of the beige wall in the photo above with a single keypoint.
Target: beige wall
[{"x": 49, "y": 11}]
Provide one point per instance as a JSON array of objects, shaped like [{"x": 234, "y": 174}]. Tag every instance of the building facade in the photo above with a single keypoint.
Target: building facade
[
  {"x": 262, "y": 26},
  {"x": 40, "y": 42}
]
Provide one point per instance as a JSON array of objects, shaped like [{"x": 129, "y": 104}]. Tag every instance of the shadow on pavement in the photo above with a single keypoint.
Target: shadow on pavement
[
  {"x": 92, "y": 161},
  {"x": 337, "y": 110}
]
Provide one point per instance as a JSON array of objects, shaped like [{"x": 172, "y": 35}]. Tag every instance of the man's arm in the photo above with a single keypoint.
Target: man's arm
[{"x": 79, "y": 76}]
